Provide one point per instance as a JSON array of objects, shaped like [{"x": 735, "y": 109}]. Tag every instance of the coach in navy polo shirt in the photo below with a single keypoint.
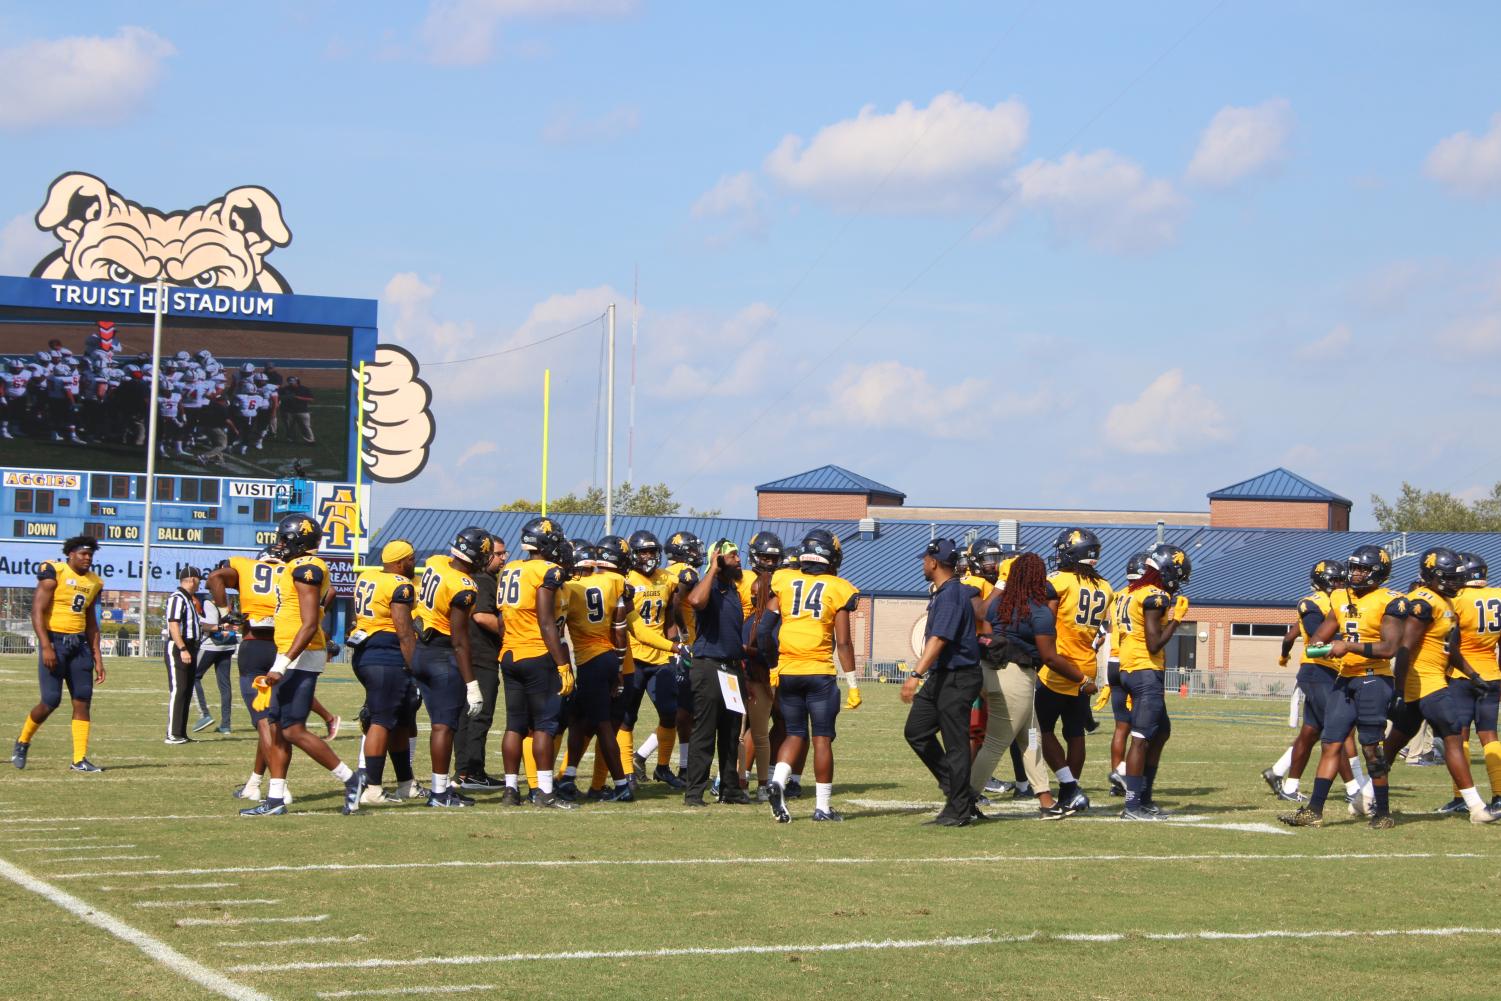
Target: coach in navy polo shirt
[{"x": 949, "y": 675}]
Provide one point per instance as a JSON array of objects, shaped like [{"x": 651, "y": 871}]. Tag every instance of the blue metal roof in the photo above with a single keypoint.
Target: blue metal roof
[
  {"x": 1278, "y": 485},
  {"x": 828, "y": 480}
]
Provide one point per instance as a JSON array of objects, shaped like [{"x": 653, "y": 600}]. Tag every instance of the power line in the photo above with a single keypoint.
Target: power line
[
  {"x": 953, "y": 245},
  {"x": 517, "y": 347}
]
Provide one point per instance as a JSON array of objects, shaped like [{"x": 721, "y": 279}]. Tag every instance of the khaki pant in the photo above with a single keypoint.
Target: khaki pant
[
  {"x": 300, "y": 426},
  {"x": 1008, "y": 694}
]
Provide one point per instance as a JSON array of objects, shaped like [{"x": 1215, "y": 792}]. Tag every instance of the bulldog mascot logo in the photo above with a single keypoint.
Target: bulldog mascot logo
[{"x": 106, "y": 237}]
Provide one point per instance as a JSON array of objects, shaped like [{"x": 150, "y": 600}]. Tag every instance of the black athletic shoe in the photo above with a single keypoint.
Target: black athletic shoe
[
  {"x": 510, "y": 797},
  {"x": 617, "y": 794},
  {"x": 665, "y": 774},
  {"x": 459, "y": 797},
  {"x": 694, "y": 801},
  {"x": 794, "y": 789},
  {"x": 18, "y": 756},
  {"x": 1455, "y": 805},
  {"x": 1020, "y": 793},
  {"x": 567, "y": 789},
  {"x": 831, "y": 816},
  {"x": 638, "y": 767},
  {"x": 735, "y": 797},
  {"x": 778, "y": 802},
  {"x": 84, "y": 765},
  {"x": 480, "y": 782},
  {"x": 1117, "y": 783},
  {"x": 354, "y": 788},
  {"x": 550, "y": 801}
]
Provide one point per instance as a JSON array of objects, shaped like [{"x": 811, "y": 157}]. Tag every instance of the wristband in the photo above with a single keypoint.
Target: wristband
[
  {"x": 1368, "y": 651},
  {"x": 281, "y": 664},
  {"x": 565, "y": 666}
]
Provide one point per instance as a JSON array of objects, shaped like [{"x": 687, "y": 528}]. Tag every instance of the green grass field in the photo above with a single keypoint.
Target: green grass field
[{"x": 490, "y": 902}]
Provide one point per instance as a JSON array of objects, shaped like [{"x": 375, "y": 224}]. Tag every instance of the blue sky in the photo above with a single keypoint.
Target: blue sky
[{"x": 1010, "y": 254}]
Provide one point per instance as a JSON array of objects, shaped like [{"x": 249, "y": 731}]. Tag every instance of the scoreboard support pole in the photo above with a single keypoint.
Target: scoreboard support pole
[{"x": 156, "y": 366}]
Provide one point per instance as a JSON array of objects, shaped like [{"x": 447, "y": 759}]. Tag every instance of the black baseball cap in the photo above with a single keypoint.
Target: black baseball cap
[{"x": 942, "y": 550}]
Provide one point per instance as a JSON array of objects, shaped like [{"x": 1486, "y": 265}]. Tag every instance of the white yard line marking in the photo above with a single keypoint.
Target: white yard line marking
[
  {"x": 53, "y": 841},
  {"x": 172, "y": 886},
  {"x": 387, "y": 813},
  {"x": 206, "y": 903},
  {"x": 31, "y": 830},
  {"x": 867, "y": 945},
  {"x": 200, "y": 922},
  {"x": 120, "y": 858},
  {"x": 71, "y": 848},
  {"x": 1065, "y": 859},
  {"x": 312, "y": 940},
  {"x": 155, "y": 948},
  {"x": 396, "y": 991}
]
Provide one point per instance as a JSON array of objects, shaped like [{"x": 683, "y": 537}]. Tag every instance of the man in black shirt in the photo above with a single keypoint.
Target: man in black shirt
[
  {"x": 949, "y": 675},
  {"x": 484, "y": 656},
  {"x": 717, "y": 648}
]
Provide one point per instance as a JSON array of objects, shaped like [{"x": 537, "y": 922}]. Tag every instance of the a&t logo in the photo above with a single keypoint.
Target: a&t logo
[{"x": 339, "y": 514}]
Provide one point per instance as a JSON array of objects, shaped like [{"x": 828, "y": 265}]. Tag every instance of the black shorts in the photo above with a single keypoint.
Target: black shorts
[
  {"x": 256, "y": 658},
  {"x": 1360, "y": 704},
  {"x": 809, "y": 702},
  {"x": 1439, "y": 708},
  {"x": 594, "y": 688},
  {"x": 436, "y": 672},
  {"x": 533, "y": 694},
  {"x": 380, "y": 667},
  {"x": 1148, "y": 715},
  {"x": 1118, "y": 693},
  {"x": 1051, "y": 706},
  {"x": 1315, "y": 682},
  {"x": 1475, "y": 709},
  {"x": 75, "y": 668},
  {"x": 292, "y": 698}
]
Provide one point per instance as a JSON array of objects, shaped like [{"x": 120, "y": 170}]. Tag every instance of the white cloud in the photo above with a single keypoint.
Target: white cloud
[
  {"x": 22, "y": 245},
  {"x": 741, "y": 340},
  {"x": 939, "y": 158},
  {"x": 81, "y": 79},
  {"x": 735, "y": 203},
  {"x": 462, "y": 32},
  {"x": 1240, "y": 142},
  {"x": 1468, "y": 164},
  {"x": 1104, "y": 198},
  {"x": 1167, "y": 418},
  {"x": 1330, "y": 347},
  {"x": 568, "y": 128},
  {"x": 891, "y": 394},
  {"x": 1479, "y": 333},
  {"x": 476, "y": 450}
]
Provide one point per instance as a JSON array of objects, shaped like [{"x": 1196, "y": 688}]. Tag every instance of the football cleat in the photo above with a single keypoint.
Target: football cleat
[
  {"x": 1139, "y": 813},
  {"x": 510, "y": 797},
  {"x": 776, "y": 797},
  {"x": 1017, "y": 792},
  {"x": 84, "y": 765},
  {"x": 354, "y": 788},
  {"x": 734, "y": 796},
  {"x": 1054, "y": 812},
  {"x": 1291, "y": 797},
  {"x": 376, "y": 796},
  {"x": 1303, "y": 818},
  {"x": 445, "y": 800},
  {"x": 1455, "y": 805},
  {"x": 410, "y": 789},
  {"x": 1078, "y": 803},
  {"x": 463, "y": 800},
  {"x": 204, "y": 722},
  {"x": 618, "y": 794},
  {"x": 1117, "y": 784},
  {"x": 794, "y": 789},
  {"x": 266, "y": 808},
  {"x": 1496, "y": 803},
  {"x": 1483, "y": 815},
  {"x": 1273, "y": 780},
  {"x": 995, "y": 785},
  {"x": 1382, "y": 822},
  {"x": 1425, "y": 760},
  {"x": 479, "y": 783},
  {"x": 18, "y": 756},
  {"x": 830, "y": 815},
  {"x": 600, "y": 795},
  {"x": 665, "y": 774},
  {"x": 567, "y": 789},
  {"x": 551, "y": 801},
  {"x": 244, "y": 792},
  {"x": 638, "y": 767}
]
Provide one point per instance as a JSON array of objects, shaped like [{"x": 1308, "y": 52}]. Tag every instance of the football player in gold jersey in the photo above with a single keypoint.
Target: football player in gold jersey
[
  {"x": 1370, "y": 619},
  {"x": 655, "y": 676},
  {"x": 1316, "y": 676},
  {"x": 255, "y": 581},
  {"x": 534, "y": 665},
  {"x": 809, "y": 611},
  {"x": 1149, "y": 612},
  {"x": 1081, "y": 605},
  {"x": 599, "y": 603},
  {"x": 301, "y": 653},
  {"x": 385, "y": 644},
  {"x": 1431, "y": 636},
  {"x": 1479, "y": 610},
  {"x": 65, "y": 617},
  {"x": 685, "y": 555},
  {"x": 1115, "y": 694}
]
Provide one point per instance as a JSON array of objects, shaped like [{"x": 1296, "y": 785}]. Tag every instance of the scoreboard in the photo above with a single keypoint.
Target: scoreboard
[{"x": 73, "y": 459}]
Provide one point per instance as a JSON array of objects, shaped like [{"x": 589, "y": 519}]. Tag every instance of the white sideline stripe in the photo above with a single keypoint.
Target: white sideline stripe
[
  {"x": 205, "y": 903},
  {"x": 331, "y": 813},
  {"x": 1067, "y": 859},
  {"x": 173, "y": 886},
  {"x": 30, "y": 830},
  {"x": 155, "y": 948},
  {"x": 53, "y": 841},
  {"x": 198, "y": 922},
  {"x": 870, "y": 945},
  {"x": 313, "y": 940},
  {"x": 391, "y": 991},
  {"x": 68, "y": 848},
  {"x": 120, "y": 858}
]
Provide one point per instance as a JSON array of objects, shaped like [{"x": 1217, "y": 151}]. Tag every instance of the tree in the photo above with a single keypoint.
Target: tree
[
  {"x": 650, "y": 500},
  {"x": 1417, "y": 510}
]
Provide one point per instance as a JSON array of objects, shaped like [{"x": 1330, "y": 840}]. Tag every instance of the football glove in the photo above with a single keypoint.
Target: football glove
[
  {"x": 1478, "y": 685},
  {"x": 853, "y": 702},
  {"x": 262, "y": 693},
  {"x": 1281, "y": 661},
  {"x": 475, "y": 700},
  {"x": 776, "y": 676},
  {"x": 565, "y": 672},
  {"x": 1180, "y": 607}
]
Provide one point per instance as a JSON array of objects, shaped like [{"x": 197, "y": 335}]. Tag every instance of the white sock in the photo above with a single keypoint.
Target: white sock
[
  {"x": 411, "y": 750},
  {"x": 823, "y": 792},
  {"x": 1284, "y": 764},
  {"x": 544, "y": 781},
  {"x": 1120, "y": 769},
  {"x": 1352, "y": 787},
  {"x": 278, "y": 790},
  {"x": 1356, "y": 772},
  {"x": 648, "y": 746},
  {"x": 342, "y": 772},
  {"x": 798, "y": 777},
  {"x": 745, "y": 777},
  {"x": 513, "y": 782},
  {"x": 1472, "y": 798},
  {"x": 622, "y": 783},
  {"x": 781, "y": 773},
  {"x": 440, "y": 783},
  {"x": 363, "y": 737},
  {"x": 1065, "y": 774},
  {"x": 682, "y": 753},
  {"x": 1290, "y": 786}
]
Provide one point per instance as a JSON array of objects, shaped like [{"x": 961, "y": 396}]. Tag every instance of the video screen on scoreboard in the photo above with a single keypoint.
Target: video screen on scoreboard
[{"x": 257, "y": 400}]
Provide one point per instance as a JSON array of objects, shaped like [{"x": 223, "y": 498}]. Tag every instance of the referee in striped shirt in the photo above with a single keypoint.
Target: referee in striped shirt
[{"x": 184, "y": 632}]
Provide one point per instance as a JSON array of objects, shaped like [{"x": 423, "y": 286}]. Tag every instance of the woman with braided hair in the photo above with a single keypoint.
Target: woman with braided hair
[{"x": 1022, "y": 637}]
